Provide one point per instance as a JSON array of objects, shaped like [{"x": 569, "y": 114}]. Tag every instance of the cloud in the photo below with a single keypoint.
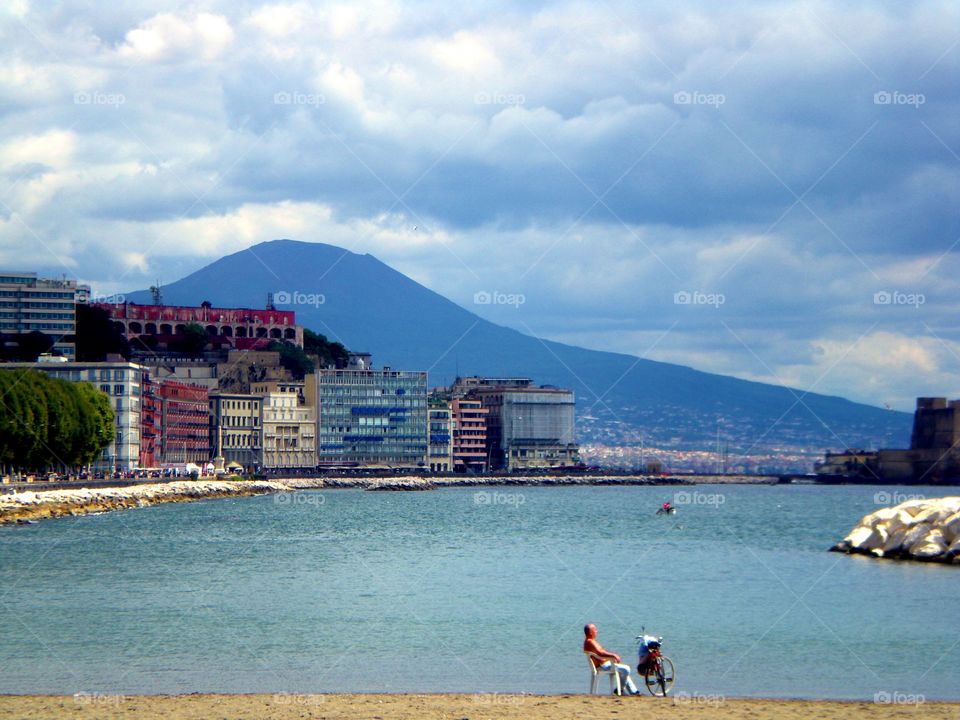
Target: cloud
[
  {"x": 167, "y": 37},
  {"x": 796, "y": 160}
]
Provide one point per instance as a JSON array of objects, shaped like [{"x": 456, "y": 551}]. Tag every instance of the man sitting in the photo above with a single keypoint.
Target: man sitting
[{"x": 607, "y": 659}]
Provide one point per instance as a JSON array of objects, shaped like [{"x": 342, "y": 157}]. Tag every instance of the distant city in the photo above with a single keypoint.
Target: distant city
[
  {"x": 248, "y": 390},
  {"x": 244, "y": 390}
]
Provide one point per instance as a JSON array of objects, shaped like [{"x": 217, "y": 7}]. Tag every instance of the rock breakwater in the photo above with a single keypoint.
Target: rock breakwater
[
  {"x": 927, "y": 530},
  {"x": 31, "y": 506}
]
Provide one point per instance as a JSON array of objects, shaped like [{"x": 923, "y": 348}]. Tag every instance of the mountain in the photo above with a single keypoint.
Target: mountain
[{"x": 370, "y": 307}]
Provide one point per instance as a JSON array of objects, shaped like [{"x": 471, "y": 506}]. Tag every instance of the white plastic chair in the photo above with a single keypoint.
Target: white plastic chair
[{"x": 596, "y": 672}]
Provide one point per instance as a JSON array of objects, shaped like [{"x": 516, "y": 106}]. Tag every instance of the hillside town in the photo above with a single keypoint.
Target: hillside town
[{"x": 249, "y": 391}]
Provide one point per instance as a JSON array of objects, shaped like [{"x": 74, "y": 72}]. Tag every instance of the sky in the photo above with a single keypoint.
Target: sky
[{"x": 768, "y": 190}]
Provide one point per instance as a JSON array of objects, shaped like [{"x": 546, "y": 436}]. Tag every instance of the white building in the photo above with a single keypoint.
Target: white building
[
  {"x": 289, "y": 432},
  {"x": 29, "y": 303},
  {"x": 121, "y": 381}
]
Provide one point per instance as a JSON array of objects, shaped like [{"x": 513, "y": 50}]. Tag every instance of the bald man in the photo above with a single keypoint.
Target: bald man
[{"x": 605, "y": 659}]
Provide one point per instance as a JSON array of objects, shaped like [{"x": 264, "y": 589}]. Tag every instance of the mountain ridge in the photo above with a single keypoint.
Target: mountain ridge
[{"x": 371, "y": 307}]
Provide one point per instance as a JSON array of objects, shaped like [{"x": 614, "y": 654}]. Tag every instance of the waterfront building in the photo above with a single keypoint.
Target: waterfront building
[
  {"x": 469, "y": 435},
  {"x": 440, "y": 435},
  {"x": 150, "y": 414},
  {"x": 236, "y": 433},
  {"x": 289, "y": 431},
  {"x": 122, "y": 382},
  {"x": 242, "y": 328},
  {"x": 528, "y": 427},
  {"x": 184, "y": 423},
  {"x": 372, "y": 417},
  {"x": 29, "y": 303},
  {"x": 185, "y": 370}
]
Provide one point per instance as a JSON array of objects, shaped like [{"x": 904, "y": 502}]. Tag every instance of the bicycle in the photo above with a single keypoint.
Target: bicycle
[{"x": 657, "y": 669}]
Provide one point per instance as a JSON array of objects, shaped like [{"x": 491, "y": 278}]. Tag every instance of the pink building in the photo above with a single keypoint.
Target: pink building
[{"x": 242, "y": 328}]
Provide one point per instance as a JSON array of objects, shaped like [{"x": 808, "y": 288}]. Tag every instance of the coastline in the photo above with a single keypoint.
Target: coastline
[
  {"x": 26, "y": 505},
  {"x": 481, "y": 706},
  {"x": 29, "y": 506},
  {"x": 430, "y": 482}
]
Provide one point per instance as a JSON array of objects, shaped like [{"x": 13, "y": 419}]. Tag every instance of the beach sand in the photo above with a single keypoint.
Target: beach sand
[{"x": 452, "y": 707}]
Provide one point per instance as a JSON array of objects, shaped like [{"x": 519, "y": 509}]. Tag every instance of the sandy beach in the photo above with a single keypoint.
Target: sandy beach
[{"x": 471, "y": 707}]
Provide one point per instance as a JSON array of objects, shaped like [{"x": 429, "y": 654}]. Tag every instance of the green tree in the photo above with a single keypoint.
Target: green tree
[
  {"x": 192, "y": 341},
  {"x": 47, "y": 422},
  {"x": 328, "y": 354},
  {"x": 293, "y": 358},
  {"x": 25, "y": 347},
  {"x": 97, "y": 335}
]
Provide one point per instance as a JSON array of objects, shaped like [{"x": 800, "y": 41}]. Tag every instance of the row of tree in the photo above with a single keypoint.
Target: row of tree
[{"x": 50, "y": 423}]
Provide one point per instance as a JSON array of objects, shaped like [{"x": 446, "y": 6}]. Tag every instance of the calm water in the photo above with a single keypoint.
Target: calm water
[{"x": 467, "y": 590}]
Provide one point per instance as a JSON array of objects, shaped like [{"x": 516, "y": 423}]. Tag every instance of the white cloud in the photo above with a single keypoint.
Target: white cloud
[
  {"x": 468, "y": 146},
  {"x": 167, "y": 36}
]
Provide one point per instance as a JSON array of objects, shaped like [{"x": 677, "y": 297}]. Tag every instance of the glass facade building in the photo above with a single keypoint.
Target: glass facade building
[{"x": 372, "y": 417}]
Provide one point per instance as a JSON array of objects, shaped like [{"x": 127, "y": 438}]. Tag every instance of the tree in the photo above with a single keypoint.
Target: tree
[
  {"x": 97, "y": 335},
  {"x": 293, "y": 358},
  {"x": 192, "y": 341},
  {"x": 25, "y": 347},
  {"x": 46, "y": 422},
  {"x": 328, "y": 354}
]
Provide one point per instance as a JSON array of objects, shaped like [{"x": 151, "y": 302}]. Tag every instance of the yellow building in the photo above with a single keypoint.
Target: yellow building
[{"x": 235, "y": 429}]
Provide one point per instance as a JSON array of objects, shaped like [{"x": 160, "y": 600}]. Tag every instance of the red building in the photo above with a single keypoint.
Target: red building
[
  {"x": 149, "y": 422},
  {"x": 184, "y": 423},
  {"x": 242, "y": 328}
]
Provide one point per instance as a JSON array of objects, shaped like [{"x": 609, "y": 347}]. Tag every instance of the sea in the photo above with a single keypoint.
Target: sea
[{"x": 476, "y": 590}]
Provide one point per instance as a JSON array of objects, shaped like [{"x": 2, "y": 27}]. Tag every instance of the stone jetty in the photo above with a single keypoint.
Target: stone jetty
[
  {"x": 433, "y": 482},
  {"x": 927, "y": 530},
  {"x": 26, "y": 507}
]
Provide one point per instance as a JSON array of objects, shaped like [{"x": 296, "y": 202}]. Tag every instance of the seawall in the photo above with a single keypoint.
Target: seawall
[{"x": 31, "y": 506}]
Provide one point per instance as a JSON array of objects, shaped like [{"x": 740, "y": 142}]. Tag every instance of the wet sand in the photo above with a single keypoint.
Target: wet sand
[{"x": 457, "y": 707}]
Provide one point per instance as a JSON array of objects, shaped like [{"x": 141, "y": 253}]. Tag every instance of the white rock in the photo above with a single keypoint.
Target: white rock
[
  {"x": 864, "y": 538},
  {"x": 931, "y": 545},
  {"x": 934, "y": 514},
  {"x": 951, "y": 527},
  {"x": 895, "y": 541},
  {"x": 914, "y": 534}
]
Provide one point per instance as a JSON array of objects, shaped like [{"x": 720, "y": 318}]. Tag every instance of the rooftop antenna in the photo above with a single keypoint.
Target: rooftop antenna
[
  {"x": 156, "y": 294},
  {"x": 270, "y": 305}
]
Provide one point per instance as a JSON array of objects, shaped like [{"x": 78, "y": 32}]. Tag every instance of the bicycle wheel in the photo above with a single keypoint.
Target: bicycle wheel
[{"x": 659, "y": 676}]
